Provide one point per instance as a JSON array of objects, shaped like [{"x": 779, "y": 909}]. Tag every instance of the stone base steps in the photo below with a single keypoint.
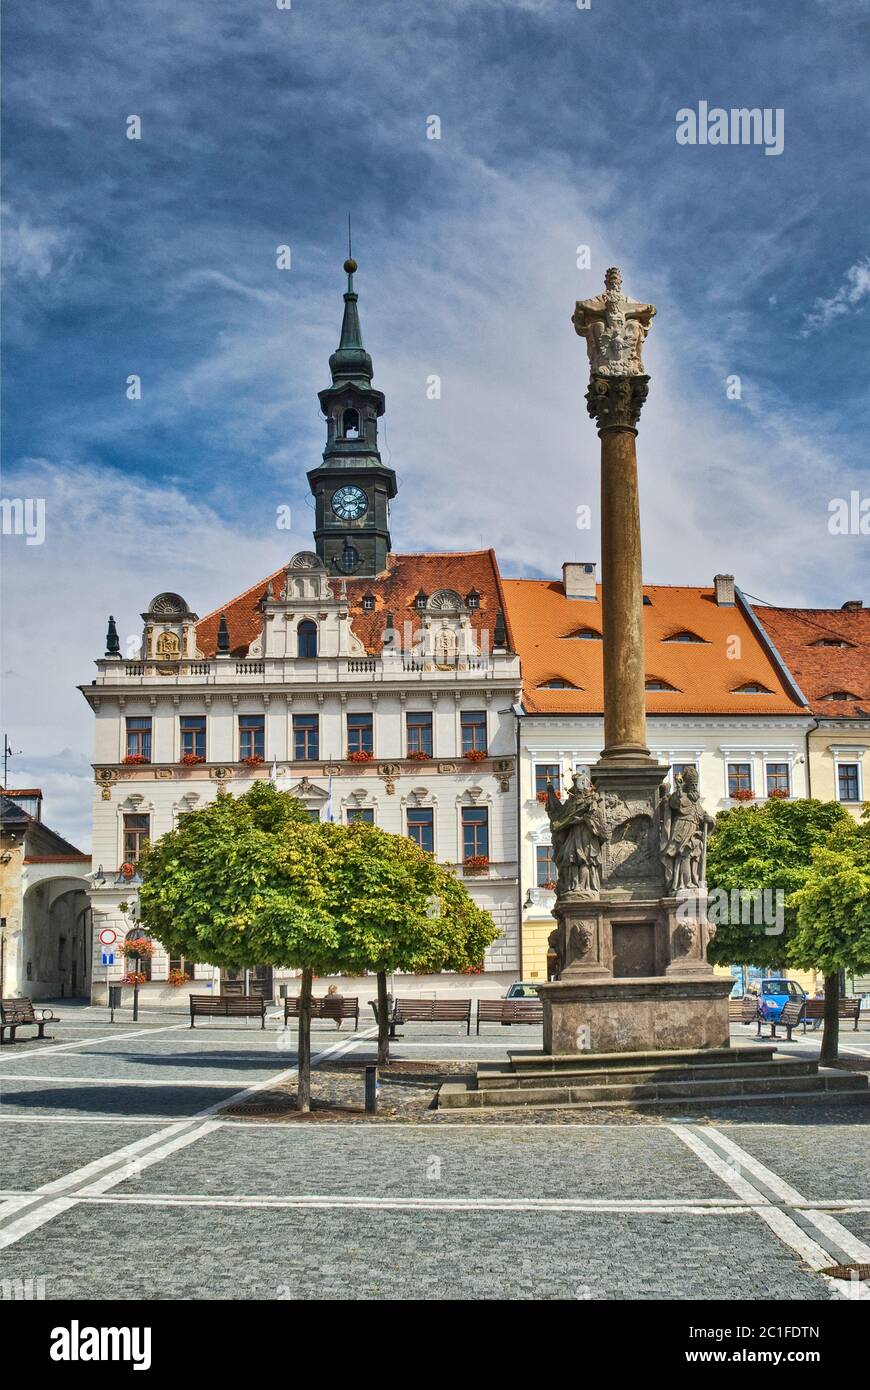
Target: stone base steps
[{"x": 630, "y": 1080}]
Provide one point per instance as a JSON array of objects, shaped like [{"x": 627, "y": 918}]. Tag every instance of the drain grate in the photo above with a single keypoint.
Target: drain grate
[{"x": 847, "y": 1271}]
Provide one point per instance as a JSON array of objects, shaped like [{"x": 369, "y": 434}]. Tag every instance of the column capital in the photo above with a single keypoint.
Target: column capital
[{"x": 615, "y": 402}]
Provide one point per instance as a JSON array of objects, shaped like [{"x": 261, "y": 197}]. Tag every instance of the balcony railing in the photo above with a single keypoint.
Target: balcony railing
[{"x": 318, "y": 672}]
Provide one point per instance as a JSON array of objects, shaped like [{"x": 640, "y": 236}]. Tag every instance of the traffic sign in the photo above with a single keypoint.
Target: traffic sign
[
  {"x": 108, "y": 936},
  {"x": 108, "y": 958}
]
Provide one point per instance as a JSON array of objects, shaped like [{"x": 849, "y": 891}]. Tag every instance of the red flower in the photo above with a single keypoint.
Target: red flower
[
  {"x": 743, "y": 794},
  {"x": 188, "y": 759},
  {"x": 476, "y": 863},
  {"x": 420, "y": 757},
  {"x": 254, "y": 761},
  {"x": 135, "y": 977},
  {"x": 360, "y": 756},
  {"x": 778, "y": 794},
  {"x": 476, "y": 755},
  {"x": 128, "y": 870},
  {"x": 135, "y": 758}
]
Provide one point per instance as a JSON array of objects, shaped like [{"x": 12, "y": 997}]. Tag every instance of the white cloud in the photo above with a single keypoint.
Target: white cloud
[{"x": 854, "y": 289}]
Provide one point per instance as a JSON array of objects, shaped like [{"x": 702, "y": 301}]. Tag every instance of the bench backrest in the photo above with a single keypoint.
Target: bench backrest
[
  {"x": 743, "y": 1010},
  {"x": 846, "y": 1008},
  {"x": 17, "y": 1011},
  {"x": 791, "y": 1014},
  {"x": 433, "y": 1009},
  {"x": 325, "y": 1007},
  {"x": 509, "y": 1010},
  {"x": 225, "y": 1005}
]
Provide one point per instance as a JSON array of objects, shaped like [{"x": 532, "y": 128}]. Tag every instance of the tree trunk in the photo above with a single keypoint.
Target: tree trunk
[
  {"x": 303, "y": 1091},
  {"x": 831, "y": 1034},
  {"x": 383, "y": 1020}
]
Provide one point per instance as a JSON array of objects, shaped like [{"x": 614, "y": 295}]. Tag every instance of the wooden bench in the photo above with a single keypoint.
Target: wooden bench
[
  {"x": 507, "y": 1011},
  {"x": 16, "y": 1013},
  {"x": 325, "y": 1007},
  {"x": 788, "y": 1019},
  {"x": 228, "y": 1006},
  {"x": 814, "y": 1009},
  {"x": 430, "y": 1011},
  {"x": 743, "y": 1010}
]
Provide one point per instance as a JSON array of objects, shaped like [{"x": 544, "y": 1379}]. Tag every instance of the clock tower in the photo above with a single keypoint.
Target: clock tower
[{"x": 352, "y": 488}]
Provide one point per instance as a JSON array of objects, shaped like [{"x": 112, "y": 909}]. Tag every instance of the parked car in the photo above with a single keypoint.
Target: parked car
[
  {"x": 522, "y": 989},
  {"x": 775, "y": 994}
]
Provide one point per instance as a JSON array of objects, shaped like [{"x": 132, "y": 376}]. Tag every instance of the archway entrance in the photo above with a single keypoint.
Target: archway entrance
[{"x": 56, "y": 942}]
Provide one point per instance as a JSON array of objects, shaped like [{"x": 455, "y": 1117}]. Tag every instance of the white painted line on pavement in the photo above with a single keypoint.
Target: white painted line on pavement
[{"x": 88, "y": 1042}]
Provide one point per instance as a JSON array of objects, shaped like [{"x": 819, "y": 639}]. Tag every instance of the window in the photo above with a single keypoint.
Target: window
[
  {"x": 139, "y": 739},
  {"x": 655, "y": 683},
  {"x": 778, "y": 779},
  {"x": 306, "y": 739},
  {"x": 677, "y": 769},
  {"x": 368, "y": 602},
  {"x": 557, "y": 683},
  {"x": 739, "y": 778},
  {"x": 252, "y": 736},
  {"x": 360, "y": 737},
  {"x": 472, "y": 599},
  {"x": 350, "y": 558},
  {"x": 136, "y": 835},
  {"x": 421, "y": 599},
  {"x": 183, "y": 964},
  {"x": 193, "y": 735},
  {"x": 751, "y": 688},
  {"x": 841, "y": 695},
  {"x": 475, "y": 831},
  {"x": 473, "y": 727},
  {"x": 848, "y": 782},
  {"x": 350, "y": 424},
  {"x": 545, "y": 866},
  {"x": 547, "y": 773},
  {"x": 365, "y": 814},
  {"x": 306, "y": 639},
  {"x": 421, "y": 827},
  {"x": 586, "y": 634},
  {"x": 313, "y": 813},
  {"x": 684, "y": 636},
  {"x": 831, "y": 642},
  {"x": 419, "y": 727}
]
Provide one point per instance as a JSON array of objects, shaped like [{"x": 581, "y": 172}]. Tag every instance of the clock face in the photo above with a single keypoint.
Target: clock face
[{"x": 349, "y": 503}]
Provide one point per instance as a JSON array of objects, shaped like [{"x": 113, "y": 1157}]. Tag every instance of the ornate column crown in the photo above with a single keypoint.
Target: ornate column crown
[{"x": 614, "y": 327}]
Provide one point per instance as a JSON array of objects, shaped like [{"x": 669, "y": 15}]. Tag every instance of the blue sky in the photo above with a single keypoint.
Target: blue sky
[{"x": 263, "y": 126}]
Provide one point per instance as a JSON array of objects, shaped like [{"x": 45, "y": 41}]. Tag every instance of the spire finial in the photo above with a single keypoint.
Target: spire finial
[{"x": 350, "y": 264}]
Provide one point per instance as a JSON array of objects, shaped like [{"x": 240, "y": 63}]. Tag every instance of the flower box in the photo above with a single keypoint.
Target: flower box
[
  {"x": 176, "y": 978},
  {"x": 777, "y": 795},
  {"x": 743, "y": 794},
  {"x": 475, "y": 755},
  {"x": 476, "y": 864},
  {"x": 190, "y": 759},
  {"x": 254, "y": 761},
  {"x": 128, "y": 870},
  {"x": 141, "y": 946},
  {"x": 420, "y": 757},
  {"x": 135, "y": 759},
  {"x": 134, "y": 977},
  {"x": 360, "y": 756}
]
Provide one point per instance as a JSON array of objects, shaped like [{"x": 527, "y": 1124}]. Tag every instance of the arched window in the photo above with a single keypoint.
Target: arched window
[
  {"x": 350, "y": 424},
  {"x": 306, "y": 637}
]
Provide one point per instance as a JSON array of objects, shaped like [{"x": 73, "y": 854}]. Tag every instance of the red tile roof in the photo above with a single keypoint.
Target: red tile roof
[
  {"x": 706, "y": 675},
  {"x": 393, "y": 592},
  {"x": 822, "y": 670}
]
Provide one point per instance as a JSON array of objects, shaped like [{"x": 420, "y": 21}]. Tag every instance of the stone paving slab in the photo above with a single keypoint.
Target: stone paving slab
[
  {"x": 858, "y": 1222},
  {"x": 236, "y": 1068},
  {"x": 93, "y": 1251},
  {"x": 823, "y": 1162},
  {"x": 46, "y": 1098},
  {"x": 371, "y": 1160},
  {"x": 36, "y": 1154}
]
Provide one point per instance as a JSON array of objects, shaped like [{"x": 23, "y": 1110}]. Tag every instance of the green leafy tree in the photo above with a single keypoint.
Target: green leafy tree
[
  {"x": 241, "y": 882},
  {"x": 833, "y": 918},
  {"x": 766, "y": 847}
]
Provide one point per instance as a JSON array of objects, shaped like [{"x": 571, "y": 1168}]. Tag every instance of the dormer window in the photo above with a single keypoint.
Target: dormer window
[
  {"x": 655, "y": 683},
  {"x": 472, "y": 599},
  {"x": 647, "y": 601},
  {"x": 557, "y": 683},
  {"x": 831, "y": 642},
  {"x": 751, "y": 688},
  {"x": 350, "y": 424},
  {"x": 421, "y": 599},
  {"x": 684, "y": 636},
  {"x": 841, "y": 695},
  {"x": 585, "y": 634},
  {"x": 368, "y": 602}
]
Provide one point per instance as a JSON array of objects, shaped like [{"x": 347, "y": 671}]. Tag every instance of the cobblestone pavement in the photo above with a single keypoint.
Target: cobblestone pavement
[{"x": 136, "y": 1156}]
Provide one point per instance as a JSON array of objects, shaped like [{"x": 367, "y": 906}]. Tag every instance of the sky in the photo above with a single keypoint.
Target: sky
[{"x": 263, "y": 125}]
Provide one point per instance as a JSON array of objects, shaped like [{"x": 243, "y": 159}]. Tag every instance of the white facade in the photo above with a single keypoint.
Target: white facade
[{"x": 145, "y": 702}]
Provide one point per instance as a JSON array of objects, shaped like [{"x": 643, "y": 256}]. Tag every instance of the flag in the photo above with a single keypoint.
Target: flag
[
  {"x": 330, "y": 815},
  {"x": 273, "y": 775}
]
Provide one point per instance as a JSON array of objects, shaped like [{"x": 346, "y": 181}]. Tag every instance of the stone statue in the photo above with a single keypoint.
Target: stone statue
[
  {"x": 684, "y": 826},
  {"x": 579, "y": 831},
  {"x": 614, "y": 328}
]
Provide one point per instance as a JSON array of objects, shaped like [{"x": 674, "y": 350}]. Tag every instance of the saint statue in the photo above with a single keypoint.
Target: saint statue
[
  {"x": 614, "y": 328},
  {"x": 579, "y": 831},
  {"x": 684, "y": 826}
]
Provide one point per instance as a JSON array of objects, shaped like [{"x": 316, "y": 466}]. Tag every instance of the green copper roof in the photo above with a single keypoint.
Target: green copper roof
[{"x": 350, "y": 361}]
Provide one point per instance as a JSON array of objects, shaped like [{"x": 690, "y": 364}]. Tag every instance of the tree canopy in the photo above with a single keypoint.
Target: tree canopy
[{"x": 833, "y": 905}]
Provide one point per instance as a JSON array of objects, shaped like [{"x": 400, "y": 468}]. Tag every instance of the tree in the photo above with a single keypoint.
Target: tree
[
  {"x": 399, "y": 910},
  {"x": 833, "y": 918},
  {"x": 765, "y": 848},
  {"x": 241, "y": 882}
]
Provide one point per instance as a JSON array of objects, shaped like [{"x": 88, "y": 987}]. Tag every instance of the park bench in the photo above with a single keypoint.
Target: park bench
[
  {"x": 846, "y": 1008},
  {"x": 429, "y": 1011},
  {"x": 743, "y": 1010},
  {"x": 788, "y": 1019},
  {"x": 507, "y": 1011},
  {"x": 228, "y": 1006},
  {"x": 325, "y": 1007},
  {"x": 16, "y": 1013}
]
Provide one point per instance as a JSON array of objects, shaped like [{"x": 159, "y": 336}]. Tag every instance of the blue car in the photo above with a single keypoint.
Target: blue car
[{"x": 774, "y": 995}]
